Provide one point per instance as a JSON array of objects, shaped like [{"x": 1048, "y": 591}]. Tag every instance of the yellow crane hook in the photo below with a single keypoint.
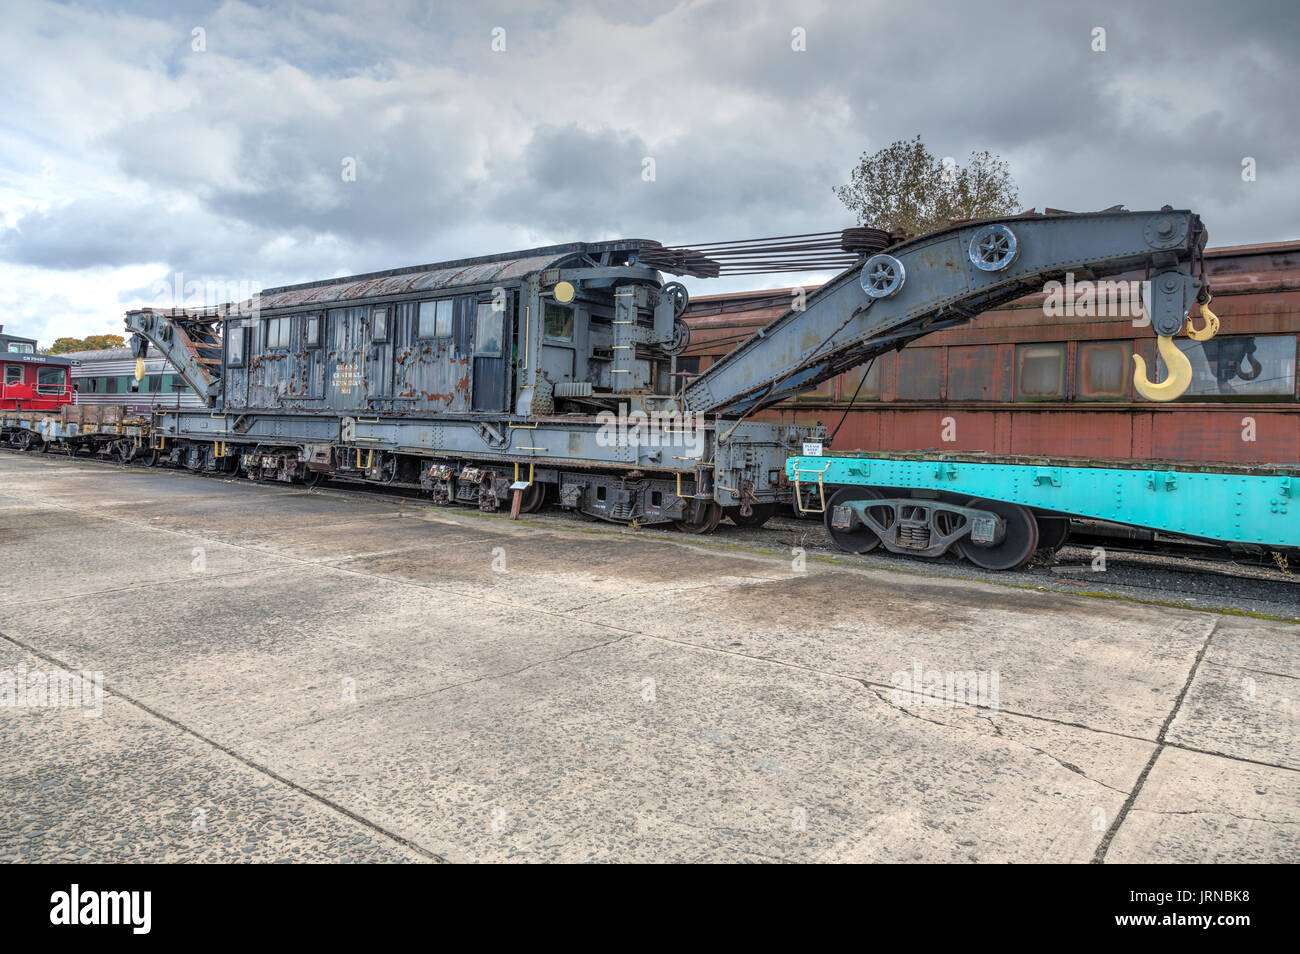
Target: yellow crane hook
[
  {"x": 1211, "y": 327},
  {"x": 1176, "y": 382}
]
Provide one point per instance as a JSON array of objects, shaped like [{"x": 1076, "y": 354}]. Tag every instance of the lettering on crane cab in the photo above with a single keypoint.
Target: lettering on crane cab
[{"x": 346, "y": 377}]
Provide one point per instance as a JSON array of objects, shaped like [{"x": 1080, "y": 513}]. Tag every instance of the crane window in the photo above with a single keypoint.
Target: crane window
[
  {"x": 490, "y": 322},
  {"x": 277, "y": 333},
  {"x": 234, "y": 345},
  {"x": 435, "y": 319},
  {"x": 559, "y": 322},
  {"x": 918, "y": 374}
]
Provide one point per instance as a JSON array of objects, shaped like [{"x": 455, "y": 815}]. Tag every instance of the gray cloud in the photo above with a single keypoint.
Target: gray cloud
[{"x": 227, "y": 162}]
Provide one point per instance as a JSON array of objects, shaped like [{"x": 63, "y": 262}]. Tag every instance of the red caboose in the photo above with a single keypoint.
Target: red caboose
[{"x": 31, "y": 381}]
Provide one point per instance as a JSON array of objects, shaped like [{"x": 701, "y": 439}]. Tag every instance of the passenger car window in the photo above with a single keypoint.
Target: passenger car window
[
  {"x": 1104, "y": 370},
  {"x": 1040, "y": 371},
  {"x": 1240, "y": 364}
]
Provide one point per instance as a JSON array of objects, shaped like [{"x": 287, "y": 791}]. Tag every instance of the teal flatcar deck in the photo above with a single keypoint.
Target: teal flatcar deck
[{"x": 1230, "y": 503}]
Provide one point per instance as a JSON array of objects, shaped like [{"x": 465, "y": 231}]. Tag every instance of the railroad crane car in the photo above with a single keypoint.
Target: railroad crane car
[{"x": 551, "y": 373}]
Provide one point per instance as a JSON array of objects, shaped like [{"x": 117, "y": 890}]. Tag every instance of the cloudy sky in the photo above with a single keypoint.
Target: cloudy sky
[{"x": 213, "y": 140}]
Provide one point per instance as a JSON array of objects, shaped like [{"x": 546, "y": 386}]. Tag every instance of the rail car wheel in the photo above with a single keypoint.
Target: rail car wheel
[
  {"x": 1052, "y": 532},
  {"x": 710, "y": 517},
  {"x": 761, "y": 515},
  {"x": 1018, "y": 542},
  {"x": 24, "y": 440},
  {"x": 534, "y": 498},
  {"x": 153, "y": 458},
  {"x": 314, "y": 478},
  {"x": 854, "y": 539}
]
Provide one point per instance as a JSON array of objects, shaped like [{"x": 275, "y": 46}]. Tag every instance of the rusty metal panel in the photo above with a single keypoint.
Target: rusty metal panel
[
  {"x": 434, "y": 373},
  {"x": 934, "y": 428},
  {"x": 1227, "y": 435},
  {"x": 919, "y": 374},
  {"x": 973, "y": 374},
  {"x": 269, "y": 366},
  {"x": 1071, "y": 434}
]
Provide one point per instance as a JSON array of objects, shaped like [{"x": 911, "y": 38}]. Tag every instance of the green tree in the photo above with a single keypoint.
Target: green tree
[
  {"x": 904, "y": 187},
  {"x": 89, "y": 343}
]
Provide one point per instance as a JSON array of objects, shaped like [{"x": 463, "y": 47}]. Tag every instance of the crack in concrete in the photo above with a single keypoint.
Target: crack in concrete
[
  {"x": 1099, "y": 857},
  {"x": 242, "y": 759},
  {"x": 997, "y": 731}
]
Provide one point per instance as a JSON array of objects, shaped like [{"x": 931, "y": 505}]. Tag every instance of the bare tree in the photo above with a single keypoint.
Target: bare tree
[{"x": 904, "y": 187}]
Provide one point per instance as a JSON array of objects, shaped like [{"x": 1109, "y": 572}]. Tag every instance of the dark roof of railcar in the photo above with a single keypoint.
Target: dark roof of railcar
[
  {"x": 482, "y": 270},
  {"x": 104, "y": 354}
]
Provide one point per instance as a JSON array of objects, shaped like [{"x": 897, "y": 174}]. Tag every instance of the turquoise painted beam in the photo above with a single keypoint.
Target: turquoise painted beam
[{"x": 1224, "y": 505}]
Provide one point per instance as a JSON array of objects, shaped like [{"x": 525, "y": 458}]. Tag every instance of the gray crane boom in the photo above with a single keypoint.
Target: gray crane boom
[{"x": 950, "y": 276}]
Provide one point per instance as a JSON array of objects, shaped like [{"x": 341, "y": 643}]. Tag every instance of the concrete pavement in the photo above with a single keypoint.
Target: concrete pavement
[{"x": 318, "y": 676}]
